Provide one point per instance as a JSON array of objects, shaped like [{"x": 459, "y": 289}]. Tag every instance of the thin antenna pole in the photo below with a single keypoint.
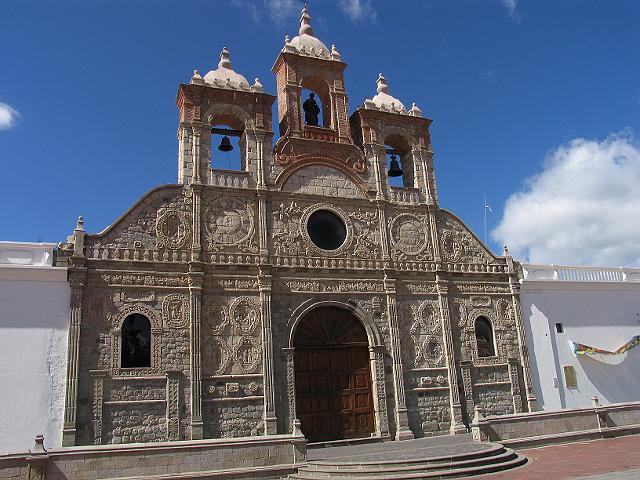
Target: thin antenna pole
[{"x": 484, "y": 207}]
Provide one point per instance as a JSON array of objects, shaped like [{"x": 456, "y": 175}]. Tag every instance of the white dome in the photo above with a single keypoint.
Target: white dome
[
  {"x": 306, "y": 43},
  {"x": 224, "y": 76},
  {"x": 310, "y": 46},
  {"x": 385, "y": 102}
]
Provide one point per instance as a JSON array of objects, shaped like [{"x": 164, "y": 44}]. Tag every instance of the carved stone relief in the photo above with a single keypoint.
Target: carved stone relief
[
  {"x": 233, "y": 343},
  {"x": 173, "y": 228},
  {"x": 230, "y": 222},
  {"x": 175, "y": 310},
  {"x": 458, "y": 244},
  {"x": 422, "y": 338},
  {"x": 290, "y": 236},
  {"x": 409, "y": 235}
]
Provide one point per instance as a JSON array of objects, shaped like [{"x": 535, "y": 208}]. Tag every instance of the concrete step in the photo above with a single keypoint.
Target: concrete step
[
  {"x": 412, "y": 457},
  {"x": 406, "y": 468},
  {"x": 493, "y": 459},
  {"x": 455, "y": 472}
]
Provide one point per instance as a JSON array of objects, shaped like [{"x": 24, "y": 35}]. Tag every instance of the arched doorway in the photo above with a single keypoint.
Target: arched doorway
[{"x": 333, "y": 376}]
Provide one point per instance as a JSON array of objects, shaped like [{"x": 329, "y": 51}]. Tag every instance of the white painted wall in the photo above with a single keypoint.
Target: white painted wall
[
  {"x": 34, "y": 308},
  {"x": 599, "y": 307}
]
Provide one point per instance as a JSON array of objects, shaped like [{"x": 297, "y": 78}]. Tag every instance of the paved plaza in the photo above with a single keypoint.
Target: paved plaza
[{"x": 608, "y": 459}]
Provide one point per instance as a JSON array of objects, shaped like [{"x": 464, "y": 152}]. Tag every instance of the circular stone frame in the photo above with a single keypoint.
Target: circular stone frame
[{"x": 337, "y": 212}]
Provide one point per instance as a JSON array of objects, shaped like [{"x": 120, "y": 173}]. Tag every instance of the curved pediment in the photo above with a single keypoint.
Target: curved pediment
[{"x": 319, "y": 179}]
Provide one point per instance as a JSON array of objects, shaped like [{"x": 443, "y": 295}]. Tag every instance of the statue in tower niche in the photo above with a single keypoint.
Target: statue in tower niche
[{"x": 311, "y": 111}]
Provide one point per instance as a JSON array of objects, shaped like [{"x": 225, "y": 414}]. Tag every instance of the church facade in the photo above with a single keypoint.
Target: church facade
[{"x": 302, "y": 291}]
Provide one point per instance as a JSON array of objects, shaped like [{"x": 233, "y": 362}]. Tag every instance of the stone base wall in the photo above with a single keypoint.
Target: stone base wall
[
  {"x": 538, "y": 428},
  {"x": 274, "y": 456}
]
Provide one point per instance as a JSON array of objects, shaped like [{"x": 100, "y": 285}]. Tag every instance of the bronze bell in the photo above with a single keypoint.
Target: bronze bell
[
  {"x": 394, "y": 168},
  {"x": 225, "y": 145}
]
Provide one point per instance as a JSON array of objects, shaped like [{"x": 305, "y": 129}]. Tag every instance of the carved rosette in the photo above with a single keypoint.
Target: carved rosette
[
  {"x": 175, "y": 311},
  {"x": 409, "y": 235},
  {"x": 173, "y": 229},
  {"x": 230, "y": 222}
]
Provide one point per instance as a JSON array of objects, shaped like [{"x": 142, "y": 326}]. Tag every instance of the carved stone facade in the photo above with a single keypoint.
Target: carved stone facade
[{"x": 224, "y": 266}]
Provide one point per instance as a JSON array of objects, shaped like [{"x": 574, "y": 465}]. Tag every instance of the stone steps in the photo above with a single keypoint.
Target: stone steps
[{"x": 492, "y": 459}]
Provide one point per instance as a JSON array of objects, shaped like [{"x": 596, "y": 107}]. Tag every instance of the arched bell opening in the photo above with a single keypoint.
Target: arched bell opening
[
  {"x": 399, "y": 162},
  {"x": 333, "y": 380},
  {"x": 314, "y": 97},
  {"x": 227, "y": 143}
]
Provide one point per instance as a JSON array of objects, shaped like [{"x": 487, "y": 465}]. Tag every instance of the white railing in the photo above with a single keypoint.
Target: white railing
[{"x": 566, "y": 273}]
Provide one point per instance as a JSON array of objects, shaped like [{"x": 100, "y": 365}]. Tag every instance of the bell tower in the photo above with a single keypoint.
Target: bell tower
[{"x": 305, "y": 63}]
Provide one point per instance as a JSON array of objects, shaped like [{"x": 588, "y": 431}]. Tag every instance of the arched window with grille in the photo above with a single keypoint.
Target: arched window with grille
[
  {"x": 136, "y": 342},
  {"x": 484, "y": 338}
]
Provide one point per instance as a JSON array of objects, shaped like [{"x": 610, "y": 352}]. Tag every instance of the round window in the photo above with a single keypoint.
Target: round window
[{"x": 326, "y": 229}]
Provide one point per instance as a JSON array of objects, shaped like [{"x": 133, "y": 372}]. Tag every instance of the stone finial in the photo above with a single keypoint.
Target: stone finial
[
  {"x": 595, "y": 401},
  {"x": 38, "y": 446},
  {"x": 257, "y": 86},
  {"x": 505, "y": 251},
  {"x": 197, "y": 78},
  {"x": 225, "y": 59},
  {"x": 286, "y": 39},
  {"x": 335, "y": 55},
  {"x": 415, "y": 110},
  {"x": 80, "y": 224},
  {"x": 305, "y": 22},
  {"x": 383, "y": 86}
]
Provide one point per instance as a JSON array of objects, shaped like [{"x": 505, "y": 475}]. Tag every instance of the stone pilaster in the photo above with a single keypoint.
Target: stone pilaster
[
  {"x": 196, "y": 153},
  {"x": 270, "y": 419},
  {"x": 402, "y": 421},
  {"x": 196, "y": 202},
  {"x": 457, "y": 426},
  {"x": 467, "y": 386},
  {"x": 514, "y": 377},
  {"x": 376, "y": 357},
  {"x": 523, "y": 350},
  {"x": 289, "y": 355},
  {"x": 195, "y": 303},
  {"x": 97, "y": 407},
  {"x": 173, "y": 405},
  {"x": 262, "y": 225},
  {"x": 77, "y": 277}
]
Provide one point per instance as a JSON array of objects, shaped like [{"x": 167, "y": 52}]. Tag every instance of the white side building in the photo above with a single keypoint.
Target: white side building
[
  {"x": 598, "y": 307},
  {"x": 34, "y": 310}
]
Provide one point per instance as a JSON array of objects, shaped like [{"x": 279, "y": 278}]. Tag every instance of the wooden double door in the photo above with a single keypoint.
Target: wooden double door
[
  {"x": 333, "y": 376},
  {"x": 333, "y": 393}
]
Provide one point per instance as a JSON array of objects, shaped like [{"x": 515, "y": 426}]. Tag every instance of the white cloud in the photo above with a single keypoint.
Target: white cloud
[
  {"x": 8, "y": 116},
  {"x": 282, "y": 10},
  {"x": 512, "y": 8},
  {"x": 583, "y": 208},
  {"x": 358, "y": 10}
]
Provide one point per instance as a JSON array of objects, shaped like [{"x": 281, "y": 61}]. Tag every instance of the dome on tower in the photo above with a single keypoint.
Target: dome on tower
[
  {"x": 385, "y": 102},
  {"x": 224, "y": 76},
  {"x": 306, "y": 43}
]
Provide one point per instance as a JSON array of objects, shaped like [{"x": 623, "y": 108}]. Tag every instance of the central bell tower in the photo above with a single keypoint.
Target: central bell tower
[{"x": 305, "y": 63}]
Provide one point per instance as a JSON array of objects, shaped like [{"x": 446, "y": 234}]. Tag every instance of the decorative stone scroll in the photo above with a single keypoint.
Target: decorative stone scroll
[
  {"x": 422, "y": 344},
  {"x": 173, "y": 228},
  {"x": 340, "y": 286}
]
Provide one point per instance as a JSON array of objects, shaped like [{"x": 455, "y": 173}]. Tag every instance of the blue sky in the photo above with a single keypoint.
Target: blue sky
[{"x": 88, "y": 118}]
